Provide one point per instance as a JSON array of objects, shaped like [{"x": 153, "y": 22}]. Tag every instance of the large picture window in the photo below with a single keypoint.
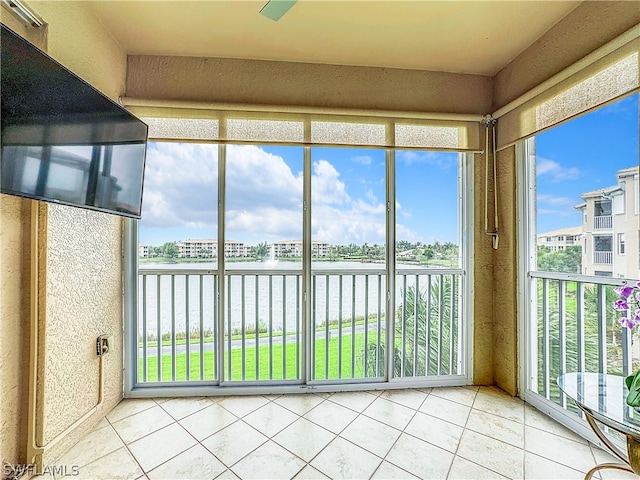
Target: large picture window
[
  {"x": 277, "y": 265},
  {"x": 582, "y": 230}
]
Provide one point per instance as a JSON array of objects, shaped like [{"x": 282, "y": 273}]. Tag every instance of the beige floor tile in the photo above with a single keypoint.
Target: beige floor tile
[
  {"x": 197, "y": 463},
  {"x": 271, "y": 398},
  {"x": 492, "y": 454},
  {"x": 602, "y": 456},
  {"x": 43, "y": 476},
  {"x": 540, "y": 468},
  {"x": 129, "y": 406},
  {"x": 492, "y": 402},
  {"x": 446, "y": 410},
  {"x": 136, "y": 426},
  {"x": 92, "y": 446},
  {"x": 408, "y": 397},
  {"x": 561, "y": 450},
  {"x": 343, "y": 459},
  {"x": 388, "y": 471},
  {"x": 356, "y": 401},
  {"x": 497, "y": 427},
  {"x": 331, "y": 416},
  {"x": 269, "y": 461},
  {"x": 101, "y": 424},
  {"x": 420, "y": 458},
  {"x": 299, "y": 404},
  {"x": 234, "y": 442},
  {"x": 160, "y": 446},
  {"x": 393, "y": 414},
  {"x": 371, "y": 435},
  {"x": 614, "y": 474},
  {"x": 323, "y": 395},
  {"x": 270, "y": 419},
  {"x": 243, "y": 405},
  {"x": 463, "y": 469},
  {"x": 535, "y": 418},
  {"x": 179, "y": 408},
  {"x": 435, "y": 431},
  {"x": 304, "y": 438},
  {"x": 118, "y": 465},
  {"x": 310, "y": 473},
  {"x": 227, "y": 475},
  {"x": 208, "y": 421},
  {"x": 462, "y": 395},
  {"x": 160, "y": 400}
]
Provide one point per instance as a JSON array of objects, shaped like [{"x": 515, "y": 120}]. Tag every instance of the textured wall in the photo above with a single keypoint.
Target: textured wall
[
  {"x": 588, "y": 27},
  {"x": 14, "y": 325},
  {"x": 505, "y": 270},
  {"x": 303, "y": 84},
  {"x": 73, "y": 312},
  {"x": 84, "y": 300},
  {"x": 482, "y": 284}
]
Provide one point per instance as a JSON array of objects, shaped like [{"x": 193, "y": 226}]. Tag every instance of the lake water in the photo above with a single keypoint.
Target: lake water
[{"x": 267, "y": 296}]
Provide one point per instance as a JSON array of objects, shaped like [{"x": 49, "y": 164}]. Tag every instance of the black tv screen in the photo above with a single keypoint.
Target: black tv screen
[{"x": 62, "y": 140}]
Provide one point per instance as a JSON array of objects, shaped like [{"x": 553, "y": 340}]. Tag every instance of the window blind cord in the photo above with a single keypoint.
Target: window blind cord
[{"x": 490, "y": 123}]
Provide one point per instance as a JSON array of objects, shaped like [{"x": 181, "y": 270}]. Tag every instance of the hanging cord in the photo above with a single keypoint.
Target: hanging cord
[{"x": 490, "y": 123}]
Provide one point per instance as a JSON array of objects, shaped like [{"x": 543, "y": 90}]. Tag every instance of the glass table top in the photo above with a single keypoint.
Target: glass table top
[{"x": 604, "y": 397}]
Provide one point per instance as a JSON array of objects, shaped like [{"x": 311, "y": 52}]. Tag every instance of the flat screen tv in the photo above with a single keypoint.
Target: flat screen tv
[{"x": 62, "y": 140}]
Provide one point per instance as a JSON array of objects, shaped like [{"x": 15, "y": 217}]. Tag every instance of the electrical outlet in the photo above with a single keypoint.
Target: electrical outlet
[{"x": 103, "y": 344}]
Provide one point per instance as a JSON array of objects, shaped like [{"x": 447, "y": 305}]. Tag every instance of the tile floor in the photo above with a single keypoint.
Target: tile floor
[{"x": 453, "y": 433}]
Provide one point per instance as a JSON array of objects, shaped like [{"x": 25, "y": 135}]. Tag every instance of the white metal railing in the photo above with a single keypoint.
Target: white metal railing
[
  {"x": 603, "y": 258},
  {"x": 601, "y": 222},
  {"x": 575, "y": 328},
  {"x": 181, "y": 337}
]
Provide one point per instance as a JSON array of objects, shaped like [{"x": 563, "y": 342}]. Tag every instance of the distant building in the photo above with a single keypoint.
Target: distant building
[
  {"x": 560, "y": 239},
  {"x": 198, "y": 248},
  {"x": 143, "y": 251},
  {"x": 610, "y": 228},
  {"x": 208, "y": 248},
  {"x": 235, "y": 249},
  {"x": 293, "y": 248}
]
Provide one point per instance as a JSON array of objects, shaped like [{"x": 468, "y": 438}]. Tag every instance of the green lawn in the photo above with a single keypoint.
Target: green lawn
[{"x": 339, "y": 360}]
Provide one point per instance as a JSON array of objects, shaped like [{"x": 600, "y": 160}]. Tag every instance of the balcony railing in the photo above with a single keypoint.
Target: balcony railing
[
  {"x": 576, "y": 328},
  {"x": 602, "y": 222},
  {"x": 603, "y": 258},
  {"x": 260, "y": 338}
]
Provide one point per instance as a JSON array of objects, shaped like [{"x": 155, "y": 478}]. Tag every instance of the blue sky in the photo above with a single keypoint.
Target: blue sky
[
  {"x": 264, "y": 194},
  {"x": 582, "y": 155}
]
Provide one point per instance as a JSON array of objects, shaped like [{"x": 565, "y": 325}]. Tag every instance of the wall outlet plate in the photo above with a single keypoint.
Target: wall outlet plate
[{"x": 103, "y": 344}]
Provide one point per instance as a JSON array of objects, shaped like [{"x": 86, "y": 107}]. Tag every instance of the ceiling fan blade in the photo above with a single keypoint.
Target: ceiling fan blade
[{"x": 275, "y": 9}]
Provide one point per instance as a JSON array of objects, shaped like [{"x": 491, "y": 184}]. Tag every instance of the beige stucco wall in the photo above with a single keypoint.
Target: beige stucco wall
[
  {"x": 81, "y": 288},
  {"x": 483, "y": 283},
  {"x": 302, "y": 84},
  {"x": 14, "y": 326},
  {"x": 585, "y": 29},
  {"x": 505, "y": 281}
]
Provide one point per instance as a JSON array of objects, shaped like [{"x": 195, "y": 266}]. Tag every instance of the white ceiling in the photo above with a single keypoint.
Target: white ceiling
[{"x": 477, "y": 37}]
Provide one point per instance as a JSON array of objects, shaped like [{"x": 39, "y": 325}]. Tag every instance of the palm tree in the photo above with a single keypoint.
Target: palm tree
[{"x": 425, "y": 329}]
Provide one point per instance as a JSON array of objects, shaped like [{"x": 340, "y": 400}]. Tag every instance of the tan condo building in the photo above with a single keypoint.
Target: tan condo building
[
  {"x": 560, "y": 239},
  {"x": 610, "y": 228}
]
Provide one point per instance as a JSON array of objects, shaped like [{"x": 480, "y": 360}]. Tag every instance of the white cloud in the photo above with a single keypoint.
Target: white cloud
[
  {"x": 180, "y": 186},
  {"x": 555, "y": 172},
  {"x": 363, "y": 159},
  {"x": 263, "y": 196},
  {"x": 555, "y": 205},
  {"x": 548, "y": 199},
  {"x": 325, "y": 186},
  {"x": 443, "y": 160}
]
